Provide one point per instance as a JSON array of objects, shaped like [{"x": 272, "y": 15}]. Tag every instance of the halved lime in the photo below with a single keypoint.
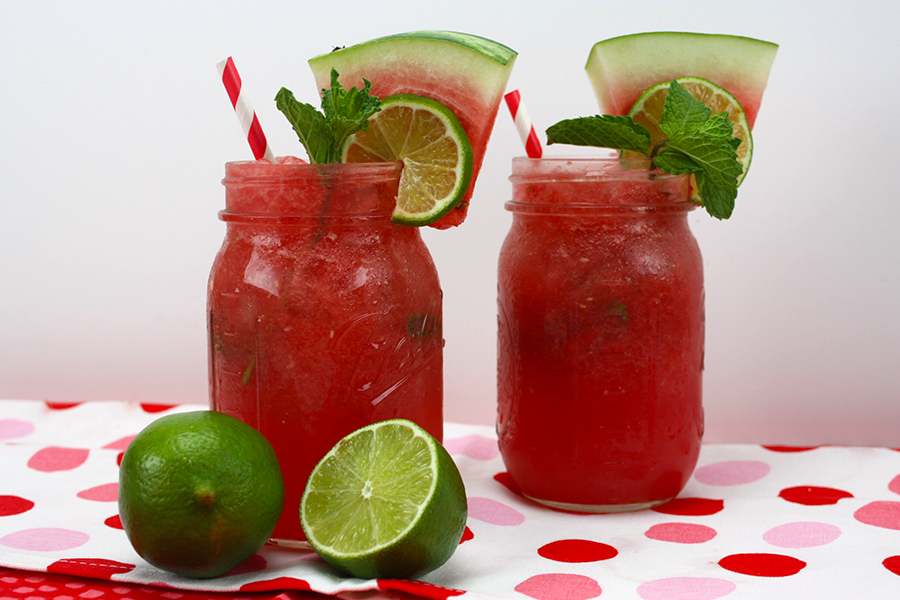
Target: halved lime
[
  {"x": 386, "y": 502},
  {"x": 437, "y": 157},
  {"x": 648, "y": 109}
]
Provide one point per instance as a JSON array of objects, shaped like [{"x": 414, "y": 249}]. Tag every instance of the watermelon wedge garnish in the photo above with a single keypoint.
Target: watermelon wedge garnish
[
  {"x": 466, "y": 73},
  {"x": 621, "y": 68}
]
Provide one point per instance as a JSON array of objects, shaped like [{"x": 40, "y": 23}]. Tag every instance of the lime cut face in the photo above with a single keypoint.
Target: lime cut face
[
  {"x": 435, "y": 151},
  {"x": 648, "y": 109},
  {"x": 386, "y": 502}
]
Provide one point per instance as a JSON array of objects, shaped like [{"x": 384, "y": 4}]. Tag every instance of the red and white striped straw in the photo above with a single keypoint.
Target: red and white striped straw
[
  {"x": 244, "y": 110},
  {"x": 523, "y": 124}
]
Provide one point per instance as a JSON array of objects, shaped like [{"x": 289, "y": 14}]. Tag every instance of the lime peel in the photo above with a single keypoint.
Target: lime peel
[
  {"x": 436, "y": 153},
  {"x": 359, "y": 520}
]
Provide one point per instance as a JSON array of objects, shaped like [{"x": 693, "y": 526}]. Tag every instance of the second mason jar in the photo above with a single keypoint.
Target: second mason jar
[
  {"x": 324, "y": 316},
  {"x": 601, "y": 332}
]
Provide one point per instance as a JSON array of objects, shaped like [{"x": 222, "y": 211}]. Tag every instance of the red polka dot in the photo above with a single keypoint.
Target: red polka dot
[
  {"x": 14, "y": 505},
  {"x": 279, "y": 583},
  {"x": 881, "y": 513},
  {"x": 691, "y": 507},
  {"x": 577, "y": 551},
  {"x": 892, "y": 564},
  {"x": 114, "y": 521},
  {"x": 61, "y": 405},
  {"x": 97, "y": 568},
  {"x": 419, "y": 589},
  {"x": 467, "y": 535},
  {"x": 681, "y": 533},
  {"x": 813, "y": 496},
  {"x": 155, "y": 408},
  {"x": 249, "y": 565},
  {"x": 119, "y": 458},
  {"x": 54, "y": 458},
  {"x": 790, "y": 448},
  {"x": 762, "y": 564},
  {"x": 507, "y": 480},
  {"x": 108, "y": 492}
]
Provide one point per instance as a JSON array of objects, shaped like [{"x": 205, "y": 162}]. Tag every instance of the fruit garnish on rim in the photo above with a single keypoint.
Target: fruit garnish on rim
[
  {"x": 697, "y": 142},
  {"x": 435, "y": 151},
  {"x": 464, "y": 72},
  {"x": 686, "y": 100}
]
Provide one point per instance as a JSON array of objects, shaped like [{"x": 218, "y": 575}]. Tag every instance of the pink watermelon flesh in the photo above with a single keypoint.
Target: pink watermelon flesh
[
  {"x": 472, "y": 91},
  {"x": 622, "y": 68}
]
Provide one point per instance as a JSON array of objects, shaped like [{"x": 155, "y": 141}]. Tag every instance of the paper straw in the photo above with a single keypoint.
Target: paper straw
[
  {"x": 244, "y": 110},
  {"x": 523, "y": 124}
]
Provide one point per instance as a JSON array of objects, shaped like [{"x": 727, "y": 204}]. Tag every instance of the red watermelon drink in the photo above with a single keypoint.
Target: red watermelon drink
[
  {"x": 324, "y": 316},
  {"x": 600, "y": 334}
]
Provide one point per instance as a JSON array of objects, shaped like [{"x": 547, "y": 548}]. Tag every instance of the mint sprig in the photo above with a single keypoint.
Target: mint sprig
[
  {"x": 697, "y": 142},
  {"x": 344, "y": 112}
]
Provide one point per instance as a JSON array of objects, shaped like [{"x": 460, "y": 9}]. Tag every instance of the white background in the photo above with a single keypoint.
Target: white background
[{"x": 114, "y": 130}]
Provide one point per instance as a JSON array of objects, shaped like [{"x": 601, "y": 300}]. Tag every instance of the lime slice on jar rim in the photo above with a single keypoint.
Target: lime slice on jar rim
[
  {"x": 435, "y": 151},
  {"x": 648, "y": 108},
  {"x": 386, "y": 502}
]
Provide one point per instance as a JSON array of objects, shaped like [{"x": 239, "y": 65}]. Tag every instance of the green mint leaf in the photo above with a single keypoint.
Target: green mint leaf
[
  {"x": 697, "y": 142},
  {"x": 717, "y": 200},
  {"x": 681, "y": 111},
  {"x": 603, "y": 131},
  {"x": 323, "y": 133},
  {"x": 348, "y": 111},
  {"x": 672, "y": 160},
  {"x": 309, "y": 125},
  {"x": 715, "y": 155}
]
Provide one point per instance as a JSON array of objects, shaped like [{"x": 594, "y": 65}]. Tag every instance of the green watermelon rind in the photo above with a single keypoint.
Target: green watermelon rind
[
  {"x": 486, "y": 62},
  {"x": 636, "y": 62}
]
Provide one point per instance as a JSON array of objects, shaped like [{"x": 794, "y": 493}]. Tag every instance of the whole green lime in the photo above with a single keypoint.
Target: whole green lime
[{"x": 199, "y": 492}]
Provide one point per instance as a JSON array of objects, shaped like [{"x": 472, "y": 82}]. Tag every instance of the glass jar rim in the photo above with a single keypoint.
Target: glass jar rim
[
  {"x": 588, "y": 168},
  {"x": 266, "y": 173}
]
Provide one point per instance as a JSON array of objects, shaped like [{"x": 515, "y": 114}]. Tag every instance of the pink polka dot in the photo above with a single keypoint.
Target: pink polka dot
[
  {"x": 493, "y": 512},
  {"x": 802, "y": 534},
  {"x": 685, "y": 588},
  {"x": 732, "y": 472},
  {"x": 559, "y": 586},
  {"x": 54, "y": 458},
  {"x": 15, "y": 428},
  {"x": 45, "y": 539},
  {"x": 681, "y": 533},
  {"x": 881, "y": 513},
  {"x": 108, "y": 492},
  {"x": 473, "y": 446},
  {"x": 894, "y": 485},
  {"x": 119, "y": 444}
]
